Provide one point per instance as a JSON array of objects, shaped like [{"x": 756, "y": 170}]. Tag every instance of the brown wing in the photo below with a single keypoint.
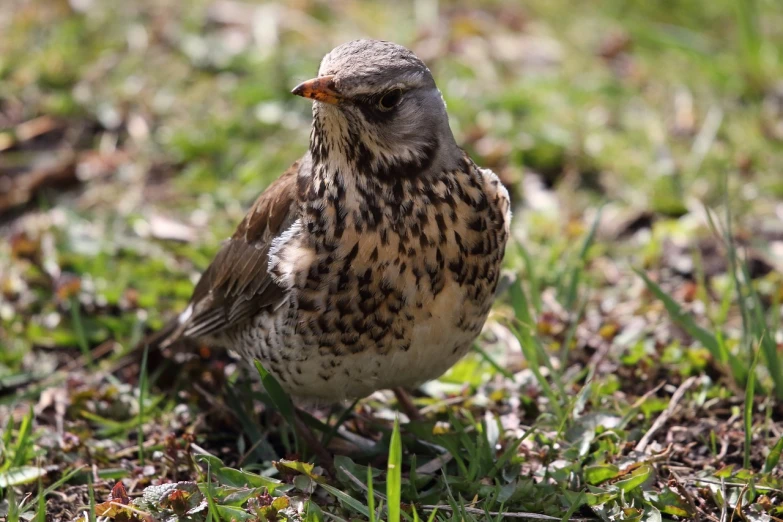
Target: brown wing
[{"x": 236, "y": 286}]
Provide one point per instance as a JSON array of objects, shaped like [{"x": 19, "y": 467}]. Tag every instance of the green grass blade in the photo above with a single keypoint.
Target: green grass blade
[
  {"x": 370, "y": 495},
  {"x": 23, "y": 439},
  {"x": 212, "y": 510},
  {"x": 13, "y": 507},
  {"x": 684, "y": 319},
  {"x": 40, "y": 516},
  {"x": 81, "y": 336},
  {"x": 573, "y": 287},
  {"x": 142, "y": 399},
  {"x": 346, "y": 499},
  {"x": 576, "y": 274},
  {"x": 279, "y": 397},
  {"x": 748, "y": 413},
  {"x": 394, "y": 474},
  {"x": 344, "y": 416},
  {"x": 531, "y": 353},
  {"x": 9, "y": 429},
  {"x": 313, "y": 512},
  {"x": 532, "y": 279},
  {"x": 774, "y": 362},
  {"x": 750, "y": 44},
  {"x": 520, "y": 303},
  {"x": 775, "y": 319},
  {"x": 510, "y": 451},
  {"x": 62, "y": 480},
  {"x": 491, "y": 361},
  {"x": 262, "y": 449},
  {"x": 576, "y": 504},
  {"x": 728, "y": 237},
  {"x": 760, "y": 332},
  {"x": 773, "y": 459},
  {"x": 91, "y": 492},
  {"x": 571, "y": 334}
]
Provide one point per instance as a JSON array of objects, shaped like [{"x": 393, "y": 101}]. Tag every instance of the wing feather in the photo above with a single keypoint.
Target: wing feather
[{"x": 236, "y": 286}]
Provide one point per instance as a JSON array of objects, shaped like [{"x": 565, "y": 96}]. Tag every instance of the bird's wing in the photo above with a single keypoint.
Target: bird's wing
[{"x": 237, "y": 285}]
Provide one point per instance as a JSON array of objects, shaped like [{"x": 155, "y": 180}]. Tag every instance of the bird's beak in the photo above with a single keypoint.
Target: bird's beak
[{"x": 321, "y": 89}]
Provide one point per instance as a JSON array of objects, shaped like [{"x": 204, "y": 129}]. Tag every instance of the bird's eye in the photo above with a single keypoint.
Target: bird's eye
[{"x": 389, "y": 100}]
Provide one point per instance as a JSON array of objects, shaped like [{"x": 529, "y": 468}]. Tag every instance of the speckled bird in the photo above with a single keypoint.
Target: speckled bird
[{"x": 372, "y": 262}]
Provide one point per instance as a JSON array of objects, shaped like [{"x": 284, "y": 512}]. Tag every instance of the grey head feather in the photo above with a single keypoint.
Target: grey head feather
[
  {"x": 368, "y": 66},
  {"x": 384, "y": 141}
]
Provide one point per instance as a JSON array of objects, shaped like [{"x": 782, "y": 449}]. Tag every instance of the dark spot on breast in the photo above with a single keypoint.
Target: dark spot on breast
[
  {"x": 352, "y": 254},
  {"x": 344, "y": 306},
  {"x": 477, "y": 224},
  {"x": 307, "y": 305},
  {"x": 483, "y": 204}
]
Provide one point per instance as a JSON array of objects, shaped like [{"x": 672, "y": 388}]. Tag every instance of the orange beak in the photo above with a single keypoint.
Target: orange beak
[{"x": 320, "y": 89}]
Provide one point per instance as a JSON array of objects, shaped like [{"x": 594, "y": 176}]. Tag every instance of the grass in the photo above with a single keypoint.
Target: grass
[
  {"x": 142, "y": 398},
  {"x": 631, "y": 368},
  {"x": 394, "y": 475}
]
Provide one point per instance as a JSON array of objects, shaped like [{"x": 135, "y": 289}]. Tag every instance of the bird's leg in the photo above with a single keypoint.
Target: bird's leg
[
  {"x": 406, "y": 404},
  {"x": 314, "y": 443}
]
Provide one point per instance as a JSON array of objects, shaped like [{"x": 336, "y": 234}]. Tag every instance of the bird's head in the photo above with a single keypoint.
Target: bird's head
[{"x": 376, "y": 108}]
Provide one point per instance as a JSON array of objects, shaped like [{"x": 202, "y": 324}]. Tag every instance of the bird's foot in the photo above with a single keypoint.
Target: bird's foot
[{"x": 406, "y": 404}]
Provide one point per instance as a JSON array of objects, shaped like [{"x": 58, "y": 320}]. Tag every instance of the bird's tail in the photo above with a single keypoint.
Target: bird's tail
[{"x": 161, "y": 338}]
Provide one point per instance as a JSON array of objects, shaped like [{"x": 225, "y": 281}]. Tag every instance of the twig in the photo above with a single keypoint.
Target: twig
[
  {"x": 687, "y": 494},
  {"x": 722, "y": 482},
  {"x": 724, "y": 448},
  {"x": 201, "y": 451},
  {"x": 130, "y": 450},
  {"x": 665, "y": 414},
  {"x": 429, "y": 468},
  {"x": 130, "y": 508},
  {"x": 208, "y": 396},
  {"x": 435, "y": 406},
  {"x": 518, "y": 514},
  {"x": 738, "y": 507},
  {"x": 250, "y": 450},
  {"x": 97, "y": 352},
  {"x": 641, "y": 400},
  {"x": 29, "y": 130},
  {"x": 634, "y": 409},
  {"x": 357, "y": 440}
]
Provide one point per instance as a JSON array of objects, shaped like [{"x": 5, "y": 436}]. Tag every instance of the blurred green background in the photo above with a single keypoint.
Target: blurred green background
[{"x": 170, "y": 117}]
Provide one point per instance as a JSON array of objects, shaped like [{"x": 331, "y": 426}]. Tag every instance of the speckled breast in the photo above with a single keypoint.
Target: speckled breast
[{"x": 383, "y": 298}]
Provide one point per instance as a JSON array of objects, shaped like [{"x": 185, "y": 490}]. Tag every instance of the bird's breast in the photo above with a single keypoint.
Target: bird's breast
[{"x": 381, "y": 296}]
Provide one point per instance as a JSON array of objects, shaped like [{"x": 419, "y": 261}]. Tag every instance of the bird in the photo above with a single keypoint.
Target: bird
[{"x": 372, "y": 262}]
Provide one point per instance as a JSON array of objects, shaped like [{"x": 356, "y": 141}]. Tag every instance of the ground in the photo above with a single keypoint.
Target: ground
[{"x": 632, "y": 367}]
